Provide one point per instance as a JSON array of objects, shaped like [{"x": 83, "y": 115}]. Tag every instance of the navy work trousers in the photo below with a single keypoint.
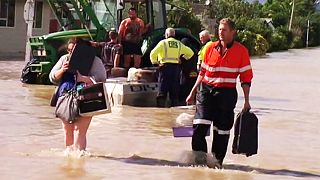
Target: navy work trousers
[
  {"x": 169, "y": 80},
  {"x": 214, "y": 106}
]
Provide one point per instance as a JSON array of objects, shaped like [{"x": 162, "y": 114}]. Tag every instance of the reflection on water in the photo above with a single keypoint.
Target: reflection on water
[
  {"x": 73, "y": 168},
  {"x": 137, "y": 142}
]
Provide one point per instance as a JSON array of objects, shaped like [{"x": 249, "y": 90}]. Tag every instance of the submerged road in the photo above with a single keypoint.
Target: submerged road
[{"x": 137, "y": 143}]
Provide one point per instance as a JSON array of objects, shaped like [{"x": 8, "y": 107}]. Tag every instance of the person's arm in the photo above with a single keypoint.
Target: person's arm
[
  {"x": 246, "y": 76},
  {"x": 121, "y": 30},
  {"x": 58, "y": 70},
  {"x": 186, "y": 52},
  {"x": 88, "y": 80},
  {"x": 93, "y": 44},
  {"x": 142, "y": 27},
  {"x": 193, "y": 91},
  {"x": 201, "y": 75},
  {"x": 116, "y": 61},
  {"x": 97, "y": 44},
  {"x": 154, "y": 53},
  {"x": 246, "y": 92}
]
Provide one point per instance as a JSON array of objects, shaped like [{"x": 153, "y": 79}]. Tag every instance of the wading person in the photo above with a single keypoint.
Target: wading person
[
  {"x": 167, "y": 54},
  {"x": 75, "y": 133},
  {"x": 130, "y": 33},
  {"x": 224, "y": 61},
  {"x": 111, "y": 52}
]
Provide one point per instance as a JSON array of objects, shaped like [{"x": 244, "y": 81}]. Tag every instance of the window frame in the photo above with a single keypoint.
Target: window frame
[
  {"x": 35, "y": 15},
  {"x": 14, "y": 18}
]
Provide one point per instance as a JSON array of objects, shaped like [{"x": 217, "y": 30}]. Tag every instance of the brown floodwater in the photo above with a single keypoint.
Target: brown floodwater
[{"x": 137, "y": 143}]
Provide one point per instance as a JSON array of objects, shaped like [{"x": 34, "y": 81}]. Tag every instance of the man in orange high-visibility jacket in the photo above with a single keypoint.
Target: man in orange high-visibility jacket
[
  {"x": 224, "y": 61},
  {"x": 167, "y": 54}
]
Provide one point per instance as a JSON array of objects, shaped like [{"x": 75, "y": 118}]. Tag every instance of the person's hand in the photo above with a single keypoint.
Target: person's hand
[
  {"x": 246, "y": 107},
  {"x": 81, "y": 78},
  {"x": 190, "y": 98},
  {"x": 85, "y": 79},
  {"x": 65, "y": 66}
]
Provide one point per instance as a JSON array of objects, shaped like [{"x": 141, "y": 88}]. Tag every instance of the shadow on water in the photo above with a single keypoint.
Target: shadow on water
[
  {"x": 279, "y": 172},
  {"x": 138, "y": 160},
  {"x": 264, "y": 111}
]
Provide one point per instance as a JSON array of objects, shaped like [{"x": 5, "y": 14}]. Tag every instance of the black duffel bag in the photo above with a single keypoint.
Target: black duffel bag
[{"x": 245, "y": 134}]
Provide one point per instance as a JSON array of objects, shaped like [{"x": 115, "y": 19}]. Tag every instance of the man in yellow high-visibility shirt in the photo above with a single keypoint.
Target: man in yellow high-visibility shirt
[
  {"x": 167, "y": 54},
  {"x": 204, "y": 37}
]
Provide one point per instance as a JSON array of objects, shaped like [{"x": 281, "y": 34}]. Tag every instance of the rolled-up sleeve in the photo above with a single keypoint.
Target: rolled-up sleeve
[
  {"x": 55, "y": 68},
  {"x": 246, "y": 73}
]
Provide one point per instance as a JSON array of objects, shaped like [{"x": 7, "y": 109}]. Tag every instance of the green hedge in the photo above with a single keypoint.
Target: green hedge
[{"x": 257, "y": 45}]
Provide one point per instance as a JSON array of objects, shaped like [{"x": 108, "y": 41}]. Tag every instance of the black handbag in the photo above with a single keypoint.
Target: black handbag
[
  {"x": 93, "y": 100},
  {"x": 67, "y": 107},
  {"x": 245, "y": 134}
]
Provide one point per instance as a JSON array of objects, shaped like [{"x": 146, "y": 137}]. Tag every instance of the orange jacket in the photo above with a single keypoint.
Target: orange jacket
[{"x": 222, "y": 71}]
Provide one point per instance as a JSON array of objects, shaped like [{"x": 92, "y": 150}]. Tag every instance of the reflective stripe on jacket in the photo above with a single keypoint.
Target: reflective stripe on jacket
[{"x": 222, "y": 71}]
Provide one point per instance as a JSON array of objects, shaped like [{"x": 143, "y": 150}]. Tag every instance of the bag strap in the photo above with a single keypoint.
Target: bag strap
[
  {"x": 240, "y": 124},
  {"x": 75, "y": 82}
]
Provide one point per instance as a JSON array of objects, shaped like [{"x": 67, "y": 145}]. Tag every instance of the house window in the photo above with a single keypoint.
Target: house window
[
  {"x": 7, "y": 13},
  {"x": 37, "y": 19}
]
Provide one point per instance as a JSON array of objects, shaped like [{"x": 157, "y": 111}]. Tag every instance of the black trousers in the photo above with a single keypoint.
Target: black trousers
[
  {"x": 214, "y": 106},
  {"x": 169, "y": 80}
]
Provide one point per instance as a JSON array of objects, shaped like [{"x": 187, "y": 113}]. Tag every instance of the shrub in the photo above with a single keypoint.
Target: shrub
[
  {"x": 256, "y": 44},
  {"x": 261, "y": 45},
  {"x": 278, "y": 41},
  {"x": 297, "y": 42},
  {"x": 247, "y": 38}
]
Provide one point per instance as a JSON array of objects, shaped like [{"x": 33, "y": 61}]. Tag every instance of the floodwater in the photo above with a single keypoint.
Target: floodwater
[{"x": 137, "y": 143}]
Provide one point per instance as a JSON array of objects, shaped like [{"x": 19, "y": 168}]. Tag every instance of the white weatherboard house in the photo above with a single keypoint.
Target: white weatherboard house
[{"x": 13, "y": 27}]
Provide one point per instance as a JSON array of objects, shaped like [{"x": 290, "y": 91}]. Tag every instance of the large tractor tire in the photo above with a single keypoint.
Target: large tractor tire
[{"x": 27, "y": 76}]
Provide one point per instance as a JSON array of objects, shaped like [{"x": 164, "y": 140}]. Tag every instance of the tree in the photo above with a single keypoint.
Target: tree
[
  {"x": 249, "y": 19},
  {"x": 181, "y": 15}
]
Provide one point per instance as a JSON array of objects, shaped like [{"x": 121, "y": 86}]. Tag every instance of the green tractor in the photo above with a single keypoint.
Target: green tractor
[{"x": 92, "y": 19}]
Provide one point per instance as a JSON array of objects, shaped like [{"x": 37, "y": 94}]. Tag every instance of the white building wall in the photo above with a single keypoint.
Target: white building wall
[{"x": 13, "y": 39}]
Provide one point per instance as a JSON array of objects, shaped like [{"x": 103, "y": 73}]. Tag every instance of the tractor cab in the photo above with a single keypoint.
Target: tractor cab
[
  {"x": 106, "y": 14},
  {"x": 152, "y": 12}
]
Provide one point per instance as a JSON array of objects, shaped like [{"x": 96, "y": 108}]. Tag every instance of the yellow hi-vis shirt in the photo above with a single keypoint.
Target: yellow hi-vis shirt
[
  {"x": 201, "y": 53},
  {"x": 169, "y": 51}
]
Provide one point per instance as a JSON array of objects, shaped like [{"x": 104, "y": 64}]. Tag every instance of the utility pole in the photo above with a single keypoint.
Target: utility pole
[
  {"x": 28, "y": 17},
  {"x": 308, "y": 27},
  {"x": 290, "y": 23}
]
